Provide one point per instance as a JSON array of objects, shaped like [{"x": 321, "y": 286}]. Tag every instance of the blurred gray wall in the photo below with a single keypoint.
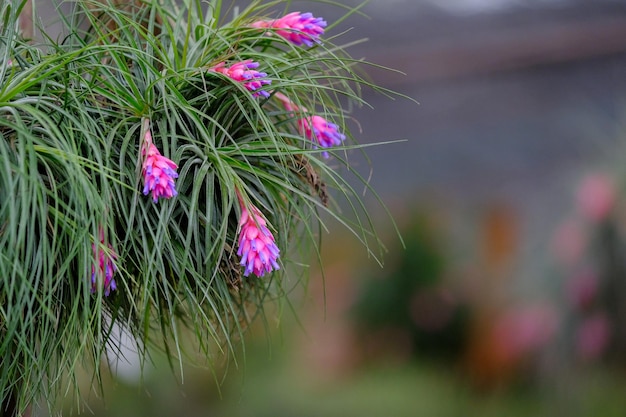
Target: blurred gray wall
[{"x": 512, "y": 94}]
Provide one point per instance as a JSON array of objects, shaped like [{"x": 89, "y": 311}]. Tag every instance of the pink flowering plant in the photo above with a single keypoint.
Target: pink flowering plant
[{"x": 158, "y": 166}]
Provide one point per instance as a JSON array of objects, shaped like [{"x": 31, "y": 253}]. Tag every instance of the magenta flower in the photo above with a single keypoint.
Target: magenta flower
[
  {"x": 299, "y": 29},
  {"x": 105, "y": 267},
  {"x": 315, "y": 128},
  {"x": 318, "y": 129},
  {"x": 158, "y": 171},
  {"x": 257, "y": 248},
  {"x": 246, "y": 73}
]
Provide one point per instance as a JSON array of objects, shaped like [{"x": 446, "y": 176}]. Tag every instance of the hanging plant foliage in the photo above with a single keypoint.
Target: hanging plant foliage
[{"x": 160, "y": 165}]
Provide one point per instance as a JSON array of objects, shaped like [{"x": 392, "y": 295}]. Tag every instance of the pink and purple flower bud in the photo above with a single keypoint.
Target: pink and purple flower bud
[
  {"x": 246, "y": 73},
  {"x": 158, "y": 171},
  {"x": 315, "y": 128},
  {"x": 318, "y": 129},
  {"x": 298, "y": 28},
  {"x": 257, "y": 248},
  {"x": 103, "y": 268}
]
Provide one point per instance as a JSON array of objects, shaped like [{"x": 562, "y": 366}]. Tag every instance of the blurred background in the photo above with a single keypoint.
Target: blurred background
[{"x": 507, "y": 294}]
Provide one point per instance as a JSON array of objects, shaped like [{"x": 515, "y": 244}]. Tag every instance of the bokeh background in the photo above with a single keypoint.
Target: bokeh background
[{"x": 506, "y": 293}]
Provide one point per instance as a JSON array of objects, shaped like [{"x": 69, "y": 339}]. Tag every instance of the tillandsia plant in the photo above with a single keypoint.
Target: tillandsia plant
[{"x": 158, "y": 166}]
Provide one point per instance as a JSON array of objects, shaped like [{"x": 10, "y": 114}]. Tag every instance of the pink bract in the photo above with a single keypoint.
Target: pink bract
[
  {"x": 298, "y": 28},
  {"x": 246, "y": 73},
  {"x": 257, "y": 248},
  {"x": 103, "y": 268},
  {"x": 315, "y": 128},
  {"x": 158, "y": 171}
]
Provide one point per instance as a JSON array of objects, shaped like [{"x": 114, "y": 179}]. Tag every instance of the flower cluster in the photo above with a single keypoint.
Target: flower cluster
[
  {"x": 299, "y": 29},
  {"x": 246, "y": 73},
  {"x": 257, "y": 248},
  {"x": 103, "y": 268},
  {"x": 158, "y": 171}
]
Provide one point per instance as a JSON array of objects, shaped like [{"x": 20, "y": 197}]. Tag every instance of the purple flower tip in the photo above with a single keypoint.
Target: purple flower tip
[
  {"x": 158, "y": 171},
  {"x": 257, "y": 248},
  {"x": 246, "y": 73}
]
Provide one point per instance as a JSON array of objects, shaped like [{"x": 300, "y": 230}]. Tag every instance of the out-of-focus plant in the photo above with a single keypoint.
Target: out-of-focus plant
[
  {"x": 410, "y": 303},
  {"x": 155, "y": 166},
  {"x": 590, "y": 249}
]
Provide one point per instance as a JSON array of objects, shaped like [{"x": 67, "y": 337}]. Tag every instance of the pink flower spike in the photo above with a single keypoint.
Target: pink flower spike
[
  {"x": 298, "y": 28},
  {"x": 158, "y": 171},
  {"x": 246, "y": 73},
  {"x": 318, "y": 129},
  {"x": 257, "y": 248},
  {"x": 315, "y": 128},
  {"x": 105, "y": 267}
]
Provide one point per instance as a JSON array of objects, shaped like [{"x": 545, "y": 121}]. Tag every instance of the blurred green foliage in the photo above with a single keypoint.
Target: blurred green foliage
[{"x": 414, "y": 275}]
